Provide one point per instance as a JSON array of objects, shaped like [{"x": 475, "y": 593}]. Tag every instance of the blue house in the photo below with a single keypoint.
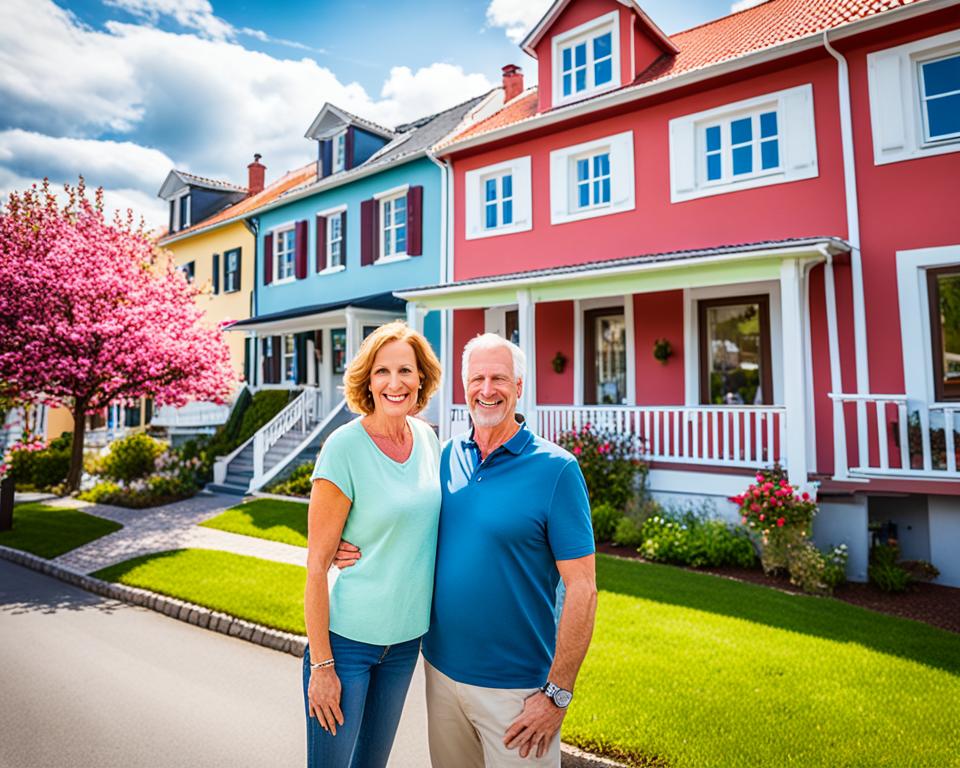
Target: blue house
[{"x": 330, "y": 255}]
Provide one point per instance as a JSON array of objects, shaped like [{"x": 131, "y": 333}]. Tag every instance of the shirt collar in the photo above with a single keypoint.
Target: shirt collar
[{"x": 515, "y": 444}]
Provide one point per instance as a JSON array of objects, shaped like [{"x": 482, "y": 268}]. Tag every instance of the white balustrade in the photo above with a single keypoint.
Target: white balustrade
[{"x": 301, "y": 413}]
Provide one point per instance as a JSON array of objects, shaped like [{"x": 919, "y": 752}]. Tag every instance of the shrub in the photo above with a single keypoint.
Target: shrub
[
  {"x": 608, "y": 462},
  {"x": 605, "y": 518},
  {"x": 692, "y": 538},
  {"x": 889, "y": 577},
  {"x": 629, "y": 533},
  {"x": 889, "y": 574},
  {"x": 835, "y": 566},
  {"x": 297, "y": 483},
  {"x": 35, "y": 465},
  {"x": 130, "y": 457},
  {"x": 226, "y": 438},
  {"x": 173, "y": 478},
  {"x": 264, "y": 406},
  {"x": 807, "y": 568}
]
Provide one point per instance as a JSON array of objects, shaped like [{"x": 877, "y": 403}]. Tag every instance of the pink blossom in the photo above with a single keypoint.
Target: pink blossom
[
  {"x": 780, "y": 522},
  {"x": 762, "y": 517},
  {"x": 577, "y": 450},
  {"x": 743, "y": 520},
  {"x": 755, "y": 508}
]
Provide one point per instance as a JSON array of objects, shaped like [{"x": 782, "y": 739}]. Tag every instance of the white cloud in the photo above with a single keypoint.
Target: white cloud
[
  {"x": 742, "y": 5},
  {"x": 516, "y": 17},
  {"x": 195, "y": 15},
  {"x": 205, "y": 104}
]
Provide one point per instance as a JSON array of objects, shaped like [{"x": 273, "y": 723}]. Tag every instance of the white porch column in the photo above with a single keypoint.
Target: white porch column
[
  {"x": 526, "y": 311},
  {"x": 415, "y": 316},
  {"x": 631, "y": 357},
  {"x": 353, "y": 334},
  {"x": 791, "y": 310},
  {"x": 445, "y": 395}
]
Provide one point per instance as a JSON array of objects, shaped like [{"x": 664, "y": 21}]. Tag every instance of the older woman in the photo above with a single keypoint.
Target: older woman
[{"x": 376, "y": 483}]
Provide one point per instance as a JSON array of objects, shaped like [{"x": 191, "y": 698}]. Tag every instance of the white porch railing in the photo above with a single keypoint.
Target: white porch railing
[
  {"x": 196, "y": 414},
  {"x": 897, "y": 438},
  {"x": 729, "y": 436},
  {"x": 302, "y": 413}
]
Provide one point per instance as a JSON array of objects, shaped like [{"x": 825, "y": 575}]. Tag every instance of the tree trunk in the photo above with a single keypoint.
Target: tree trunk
[{"x": 76, "y": 449}]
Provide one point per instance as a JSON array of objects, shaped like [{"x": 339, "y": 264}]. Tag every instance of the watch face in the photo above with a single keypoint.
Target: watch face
[{"x": 562, "y": 698}]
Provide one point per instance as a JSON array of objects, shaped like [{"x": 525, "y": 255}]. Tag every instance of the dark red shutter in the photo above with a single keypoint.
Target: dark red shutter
[
  {"x": 277, "y": 359},
  {"x": 348, "y": 144},
  {"x": 268, "y": 258},
  {"x": 321, "y": 243},
  {"x": 369, "y": 236},
  {"x": 343, "y": 239},
  {"x": 300, "y": 265},
  {"x": 415, "y": 221}
]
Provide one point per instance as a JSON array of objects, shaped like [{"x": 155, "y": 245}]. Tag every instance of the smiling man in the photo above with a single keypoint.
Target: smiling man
[{"x": 515, "y": 519}]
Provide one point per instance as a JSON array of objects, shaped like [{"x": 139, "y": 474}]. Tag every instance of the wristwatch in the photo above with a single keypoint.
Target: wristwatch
[{"x": 559, "y": 696}]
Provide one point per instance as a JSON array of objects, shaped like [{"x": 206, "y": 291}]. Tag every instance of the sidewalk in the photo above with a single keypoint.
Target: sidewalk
[{"x": 173, "y": 526}]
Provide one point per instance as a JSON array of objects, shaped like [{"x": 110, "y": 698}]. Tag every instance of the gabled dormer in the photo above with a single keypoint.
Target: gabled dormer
[
  {"x": 344, "y": 140},
  {"x": 587, "y": 47},
  {"x": 195, "y": 198}
]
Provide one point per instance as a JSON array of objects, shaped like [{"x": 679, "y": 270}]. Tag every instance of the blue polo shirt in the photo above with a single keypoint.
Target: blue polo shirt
[{"x": 504, "y": 522}]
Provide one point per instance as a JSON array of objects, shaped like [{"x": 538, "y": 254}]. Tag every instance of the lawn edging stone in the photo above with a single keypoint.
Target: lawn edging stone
[
  {"x": 181, "y": 610},
  {"x": 205, "y": 618}
]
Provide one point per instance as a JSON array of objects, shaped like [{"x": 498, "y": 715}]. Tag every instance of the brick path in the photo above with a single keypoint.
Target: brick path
[{"x": 173, "y": 526}]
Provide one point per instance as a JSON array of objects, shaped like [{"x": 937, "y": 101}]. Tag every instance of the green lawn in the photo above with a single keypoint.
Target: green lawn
[
  {"x": 247, "y": 587},
  {"x": 284, "y": 521},
  {"x": 50, "y": 531},
  {"x": 688, "y": 669}
]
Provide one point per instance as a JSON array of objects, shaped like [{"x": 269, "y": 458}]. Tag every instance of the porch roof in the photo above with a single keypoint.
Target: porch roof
[
  {"x": 718, "y": 265},
  {"x": 291, "y": 319}
]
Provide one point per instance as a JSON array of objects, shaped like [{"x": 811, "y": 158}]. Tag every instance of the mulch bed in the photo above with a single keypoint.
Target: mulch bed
[{"x": 930, "y": 603}]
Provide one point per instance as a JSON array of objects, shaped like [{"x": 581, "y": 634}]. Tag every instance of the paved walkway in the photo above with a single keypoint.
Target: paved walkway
[{"x": 173, "y": 526}]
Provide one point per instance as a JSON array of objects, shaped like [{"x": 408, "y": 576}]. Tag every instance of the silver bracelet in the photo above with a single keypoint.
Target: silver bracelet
[{"x": 321, "y": 664}]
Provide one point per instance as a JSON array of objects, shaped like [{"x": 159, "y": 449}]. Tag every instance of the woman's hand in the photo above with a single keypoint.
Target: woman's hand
[{"x": 323, "y": 694}]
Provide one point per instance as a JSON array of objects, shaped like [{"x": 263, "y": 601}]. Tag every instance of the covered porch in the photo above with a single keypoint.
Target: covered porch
[{"x": 703, "y": 357}]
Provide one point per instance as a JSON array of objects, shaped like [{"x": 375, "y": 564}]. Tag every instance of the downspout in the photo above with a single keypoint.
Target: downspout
[
  {"x": 853, "y": 237},
  {"x": 446, "y": 272},
  {"x": 836, "y": 384}
]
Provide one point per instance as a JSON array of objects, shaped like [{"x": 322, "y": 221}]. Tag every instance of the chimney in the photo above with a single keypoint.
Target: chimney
[
  {"x": 256, "y": 173},
  {"x": 512, "y": 82}
]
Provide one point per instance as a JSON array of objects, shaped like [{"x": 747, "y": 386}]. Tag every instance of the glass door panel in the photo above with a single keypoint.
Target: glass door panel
[{"x": 605, "y": 357}]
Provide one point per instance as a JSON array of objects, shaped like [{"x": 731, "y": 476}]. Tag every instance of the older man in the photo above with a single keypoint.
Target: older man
[{"x": 515, "y": 520}]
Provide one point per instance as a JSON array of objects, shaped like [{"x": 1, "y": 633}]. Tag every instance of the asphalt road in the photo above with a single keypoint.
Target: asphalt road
[{"x": 87, "y": 682}]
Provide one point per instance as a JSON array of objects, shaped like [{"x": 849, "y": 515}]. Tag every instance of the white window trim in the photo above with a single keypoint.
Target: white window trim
[
  {"x": 392, "y": 192},
  {"x": 915, "y": 327},
  {"x": 796, "y": 136},
  {"x": 691, "y": 333},
  {"x": 580, "y": 308},
  {"x": 332, "y": 270},
  {"x": 587, "y": 30},
  {"x": 382, "y": 199},
  {"x": 275, "y": 232},
  {"x": 284, "y": 357},
  {"x": 896, "y": 115},
  {"x": 563, "y": 178},
  {"x": 328, "y": 230},
  {"x": 177, "y": 224},
  {"x": 519, "y": 168},
  {"x": 574, "y": 184},
  {"x": 339, "y": 139},
  {"x": 727, "y": 179}
]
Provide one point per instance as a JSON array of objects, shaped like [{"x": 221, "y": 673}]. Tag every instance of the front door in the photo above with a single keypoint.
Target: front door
[{"x": 605, "y": 357}]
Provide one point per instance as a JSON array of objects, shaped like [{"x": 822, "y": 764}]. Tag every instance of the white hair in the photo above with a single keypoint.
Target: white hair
[{"x": 493, "y": 341}]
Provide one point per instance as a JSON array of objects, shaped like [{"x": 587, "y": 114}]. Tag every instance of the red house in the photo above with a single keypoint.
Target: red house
[{"x": 740, "y": 243}]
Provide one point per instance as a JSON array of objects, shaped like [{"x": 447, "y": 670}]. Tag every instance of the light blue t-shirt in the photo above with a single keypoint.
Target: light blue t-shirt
[
  {"x": 506, "y": 521},
  {"x": 385, "y": 598}
]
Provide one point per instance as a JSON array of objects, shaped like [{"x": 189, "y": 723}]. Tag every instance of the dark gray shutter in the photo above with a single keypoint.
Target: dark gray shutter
[
  {"x": 216, "y": 273},
  {"x": 326, "y": 157}
]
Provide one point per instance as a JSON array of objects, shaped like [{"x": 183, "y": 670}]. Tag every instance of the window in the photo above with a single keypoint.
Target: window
[
  {"x": 605, "y": 356},
  {"x": 943, "y": 286},
  {"x": 289, "y": 361},
  {"x": 184, "y": 212},
  {"x": 742, "y": 147},
  {"x": 339, "y": 151},
  {"x": 940, "y": 98},
  {"x": 592, "y": 179},
  {"x": 498, "y": 199},
  {"x": 190, "y": 270},
  {"x": 752, "y": 143},
  {"x": 231, "y": 271},
  {"x": 284, "y": 254},
  {"x": 338, "y": 343},
  {"x": 915, "y": 98},
  {"x": 586, "y": 59},
  {"x": 393, "y": 226},
  {"x": 735, "y": 351},
  {"x": 335, "y": 240}
]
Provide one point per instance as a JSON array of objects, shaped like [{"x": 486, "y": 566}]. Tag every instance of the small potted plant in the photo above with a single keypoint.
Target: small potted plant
[
  {"x": 559, "y": 362},
  {"x": 662, "y": 350}
]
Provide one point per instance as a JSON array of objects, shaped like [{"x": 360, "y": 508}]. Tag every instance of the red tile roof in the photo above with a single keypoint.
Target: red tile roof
[
  {"x": 764, "y": 26},
  {"x": 270, "y": 193}
]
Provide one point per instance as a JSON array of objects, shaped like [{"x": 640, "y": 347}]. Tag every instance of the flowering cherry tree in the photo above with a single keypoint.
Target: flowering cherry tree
[{"x": 92, "y": 314}]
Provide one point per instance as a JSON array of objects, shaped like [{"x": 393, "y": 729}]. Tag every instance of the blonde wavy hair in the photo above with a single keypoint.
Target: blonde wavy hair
[{"x": 356, "y": 379}]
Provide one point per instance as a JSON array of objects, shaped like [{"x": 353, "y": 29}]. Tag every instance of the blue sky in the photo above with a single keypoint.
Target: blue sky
[{"x": 123, "y": 90}]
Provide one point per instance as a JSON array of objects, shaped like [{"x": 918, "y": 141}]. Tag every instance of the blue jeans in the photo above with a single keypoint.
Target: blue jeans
[{"x": 373, "y": 680}]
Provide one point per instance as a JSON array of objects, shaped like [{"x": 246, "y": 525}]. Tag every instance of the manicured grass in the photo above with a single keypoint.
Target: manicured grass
[
  {"x": 247, "y": 587},
  {"x": 687, "y": 669},
  {"x": 50, "y": 531},
  {"x": 284, "y": 521}
]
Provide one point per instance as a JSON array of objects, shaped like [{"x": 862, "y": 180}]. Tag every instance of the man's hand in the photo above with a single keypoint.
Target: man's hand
[
  {"x": 536, "y": 727},
  {"x": 347, "y": 555}
]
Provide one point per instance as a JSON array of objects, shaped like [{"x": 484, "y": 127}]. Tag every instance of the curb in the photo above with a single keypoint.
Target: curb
[
  {"x": 191, "y": 613},
  {"x": 202, "y": 617}
]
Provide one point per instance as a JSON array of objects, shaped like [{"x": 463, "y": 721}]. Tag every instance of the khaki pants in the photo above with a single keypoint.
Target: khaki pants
[{"x": 466, "y": 725}]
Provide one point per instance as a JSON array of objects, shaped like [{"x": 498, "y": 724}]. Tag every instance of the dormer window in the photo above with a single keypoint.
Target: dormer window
[
  {"x": 586, "y": 59},
  {"x": 180, "y": 212},
  {"x": 339, "y": 151}
]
